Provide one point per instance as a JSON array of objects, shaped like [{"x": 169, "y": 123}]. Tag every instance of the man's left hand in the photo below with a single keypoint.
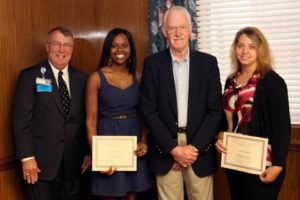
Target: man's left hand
[{"x": 87, "y": 160}]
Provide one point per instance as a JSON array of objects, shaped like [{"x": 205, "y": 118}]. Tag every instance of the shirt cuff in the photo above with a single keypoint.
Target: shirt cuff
[{"x": 28, "y": 158}]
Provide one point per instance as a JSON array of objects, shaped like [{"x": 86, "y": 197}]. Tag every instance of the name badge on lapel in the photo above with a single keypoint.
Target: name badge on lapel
[{"x": 42, "y": 84}]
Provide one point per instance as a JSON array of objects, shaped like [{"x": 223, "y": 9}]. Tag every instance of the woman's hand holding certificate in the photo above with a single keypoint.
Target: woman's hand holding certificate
[
  {"x": 243, "y": 153},
  {"x": 114, "y": 153}
]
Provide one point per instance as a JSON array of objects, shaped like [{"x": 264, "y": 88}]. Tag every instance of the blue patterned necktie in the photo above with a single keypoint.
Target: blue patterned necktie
[{"x": 64, "y": 94}]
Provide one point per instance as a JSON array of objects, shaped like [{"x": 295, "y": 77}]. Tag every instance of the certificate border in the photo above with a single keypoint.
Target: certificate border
[
  {"x": 98, "y": 139},
  {"x": 263, "y": 144}
]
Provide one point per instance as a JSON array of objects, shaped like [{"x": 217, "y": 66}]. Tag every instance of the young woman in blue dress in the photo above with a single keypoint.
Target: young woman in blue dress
[{"x": 112, "y": 109}]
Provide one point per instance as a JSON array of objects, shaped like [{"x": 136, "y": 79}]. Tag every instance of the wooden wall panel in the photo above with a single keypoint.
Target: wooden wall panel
[
  {"x": 291, "y": 185},
  {"x": 7, "y": 79},
  {"x": 24, "y": 25},
  {"x": 10, "y": 187}
]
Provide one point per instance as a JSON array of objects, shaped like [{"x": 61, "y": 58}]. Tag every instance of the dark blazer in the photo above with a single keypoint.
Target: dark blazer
[
  {"x": 40, "y": 128},
  {"x": 270, "y": 115},
  {"x": 159, "y": 109}
]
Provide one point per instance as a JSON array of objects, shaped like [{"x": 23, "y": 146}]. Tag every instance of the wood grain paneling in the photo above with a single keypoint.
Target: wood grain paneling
[
  {"x": 291, "y": 186},
  {"x": 10, "y": 187},
  {"x": 7, "y": 80}
]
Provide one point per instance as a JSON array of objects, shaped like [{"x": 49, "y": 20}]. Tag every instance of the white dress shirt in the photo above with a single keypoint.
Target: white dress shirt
[
  {"x": 181, "y": 71},
  {"x": 65, "y": 76}
]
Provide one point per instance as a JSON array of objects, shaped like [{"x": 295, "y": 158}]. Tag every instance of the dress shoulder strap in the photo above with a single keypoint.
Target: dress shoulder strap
[{"x": 102, "y": 77}]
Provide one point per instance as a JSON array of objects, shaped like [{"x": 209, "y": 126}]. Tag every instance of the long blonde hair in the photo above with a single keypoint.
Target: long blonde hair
[{"x": 264, "y": 57}]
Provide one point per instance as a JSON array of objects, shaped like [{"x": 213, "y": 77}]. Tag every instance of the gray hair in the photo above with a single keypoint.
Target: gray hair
[
  {"x": 63, "y": 30},
  {"x": 178, "y": 9}
]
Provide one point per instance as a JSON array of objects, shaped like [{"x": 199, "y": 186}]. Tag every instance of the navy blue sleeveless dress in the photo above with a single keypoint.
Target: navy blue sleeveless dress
[{"x": 113, "y": 101}]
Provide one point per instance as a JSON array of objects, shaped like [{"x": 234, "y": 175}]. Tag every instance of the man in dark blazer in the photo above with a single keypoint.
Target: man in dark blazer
[
  {"x": 49, "y": 126},
  {"x": 180, "y": 102}
]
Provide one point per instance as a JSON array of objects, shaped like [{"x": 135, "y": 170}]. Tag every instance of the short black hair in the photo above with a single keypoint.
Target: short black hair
[{"x": 131, "y": 62}]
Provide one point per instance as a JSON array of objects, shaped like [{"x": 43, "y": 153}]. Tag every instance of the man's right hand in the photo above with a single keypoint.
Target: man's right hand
[
  {"x": 184, "y": 155},
  {"x": 30, "y": 171}
]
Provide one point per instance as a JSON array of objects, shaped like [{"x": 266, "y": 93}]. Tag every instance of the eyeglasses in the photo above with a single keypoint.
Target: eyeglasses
[
  {"x": 180, "y": 28},
  {"x": 58, "y": 45}
]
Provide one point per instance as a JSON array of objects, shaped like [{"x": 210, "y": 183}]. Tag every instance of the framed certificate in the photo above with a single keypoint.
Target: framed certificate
[
  {"x": 114, "y": 151},
  {"x": 244, "y": 153}
]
